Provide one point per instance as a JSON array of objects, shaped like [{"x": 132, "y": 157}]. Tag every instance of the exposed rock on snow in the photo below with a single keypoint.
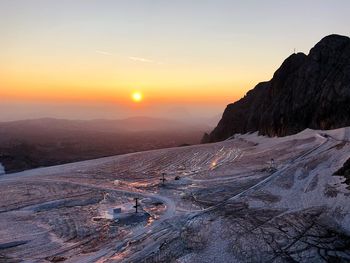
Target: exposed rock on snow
[
  {"x": 345, "y": 171},
  {"x": 2, "y": 169}
]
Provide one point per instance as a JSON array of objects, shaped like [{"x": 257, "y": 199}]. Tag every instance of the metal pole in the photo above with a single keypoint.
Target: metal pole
[
  {"x": 163, "y": 179},
  {"x": 136, "y": 204}
]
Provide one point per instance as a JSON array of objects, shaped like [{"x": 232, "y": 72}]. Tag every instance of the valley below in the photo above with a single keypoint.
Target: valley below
[
  {"x": 247, "y": 199},
  {"x": 35, "y": 143}
]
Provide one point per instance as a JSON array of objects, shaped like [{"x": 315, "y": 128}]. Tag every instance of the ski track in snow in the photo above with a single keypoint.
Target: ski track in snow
[{"x": 213, "y": 175}]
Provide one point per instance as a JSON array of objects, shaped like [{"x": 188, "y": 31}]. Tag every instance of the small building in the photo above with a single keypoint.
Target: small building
[{"x": 117, "y": 210}]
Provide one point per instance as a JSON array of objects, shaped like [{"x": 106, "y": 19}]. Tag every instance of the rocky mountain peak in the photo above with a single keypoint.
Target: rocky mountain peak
[{"x": 307, "y": 91}]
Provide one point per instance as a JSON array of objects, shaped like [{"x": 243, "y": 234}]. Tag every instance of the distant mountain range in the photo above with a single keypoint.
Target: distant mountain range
[
  {"x": 132, "y": 124},
  {"x": 34, "y": 143},
  {"x": 307, "y": 91}
]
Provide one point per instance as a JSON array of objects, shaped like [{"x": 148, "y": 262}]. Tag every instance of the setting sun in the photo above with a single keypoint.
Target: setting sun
[{"x": 136, "y": 96}]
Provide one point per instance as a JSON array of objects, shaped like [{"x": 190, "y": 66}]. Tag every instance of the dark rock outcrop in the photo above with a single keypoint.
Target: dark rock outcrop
[
  {"x": 307, "y": 91},
  {"x": 345, "y": 171}
]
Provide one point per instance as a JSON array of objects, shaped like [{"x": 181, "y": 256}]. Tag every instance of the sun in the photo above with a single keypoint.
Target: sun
[{"x": 137, "y": 96}]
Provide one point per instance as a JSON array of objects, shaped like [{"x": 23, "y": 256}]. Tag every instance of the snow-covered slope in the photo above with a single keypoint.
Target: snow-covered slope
[{"x": 220, "y": 202}]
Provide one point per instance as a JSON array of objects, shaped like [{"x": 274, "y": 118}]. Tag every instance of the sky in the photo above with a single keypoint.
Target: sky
[{"x": 83, "y": 59}]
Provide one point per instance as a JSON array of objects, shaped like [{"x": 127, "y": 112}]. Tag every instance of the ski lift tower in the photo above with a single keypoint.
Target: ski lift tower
[
  {"x": 163, "y": 178},
  {"x": 136, "y": 204},
  {"x": 272, "y": 164}
]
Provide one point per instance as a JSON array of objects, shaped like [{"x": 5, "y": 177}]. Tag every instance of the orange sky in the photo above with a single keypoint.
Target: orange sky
[
  {"x": 185, "y": 53},
  {"x": 99, "y": 77}
]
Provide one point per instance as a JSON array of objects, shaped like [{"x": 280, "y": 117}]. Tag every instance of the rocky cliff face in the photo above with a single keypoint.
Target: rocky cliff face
[{"x": 307, "y": 91}]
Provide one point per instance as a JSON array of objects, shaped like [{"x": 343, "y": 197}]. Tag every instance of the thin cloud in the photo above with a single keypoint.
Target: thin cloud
[
  {"x": 104, "y": 53},
  {"x": 137, "y": 59},
  {"x": 144, "y": 60}
]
